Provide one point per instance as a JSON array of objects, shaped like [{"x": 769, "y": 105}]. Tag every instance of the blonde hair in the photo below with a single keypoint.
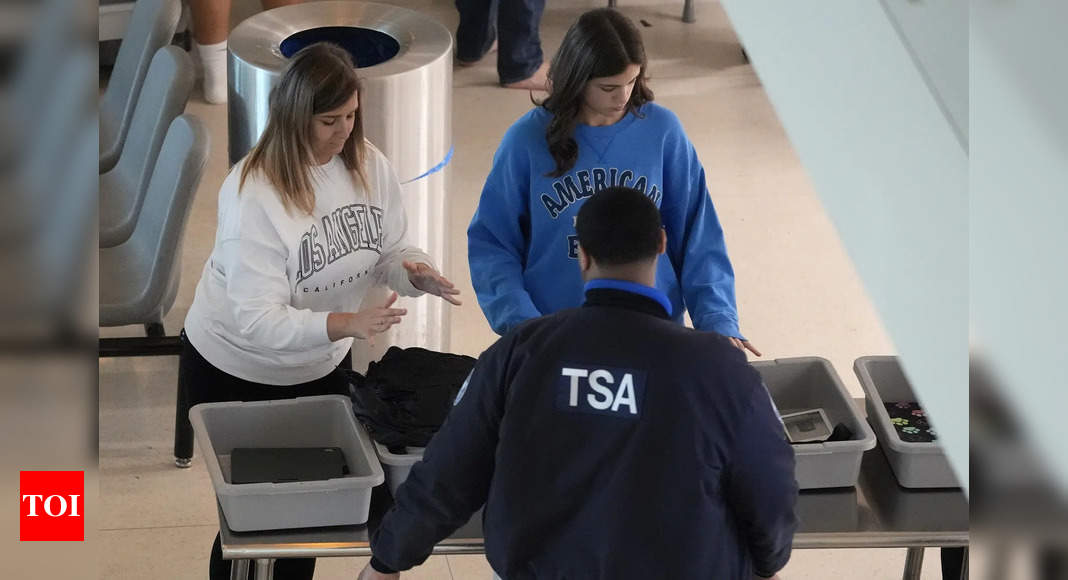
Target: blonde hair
[{"x": 320, "y": 78}]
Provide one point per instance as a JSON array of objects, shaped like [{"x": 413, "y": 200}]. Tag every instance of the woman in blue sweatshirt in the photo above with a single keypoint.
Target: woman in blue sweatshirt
[{"x": 598, "y": 128}]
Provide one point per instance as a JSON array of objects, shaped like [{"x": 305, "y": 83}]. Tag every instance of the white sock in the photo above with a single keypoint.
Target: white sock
[{"x": 213, "y": 62}]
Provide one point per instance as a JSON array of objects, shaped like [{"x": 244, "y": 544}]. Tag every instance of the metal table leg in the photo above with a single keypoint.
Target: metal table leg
[
  {"x": 239, "y": 570},
  {"x": 913, "y": 564},
  {"x": 265, "y": 569}
]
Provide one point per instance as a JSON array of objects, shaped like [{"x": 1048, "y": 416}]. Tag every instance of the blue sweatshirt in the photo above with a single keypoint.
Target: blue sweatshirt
[
  {"x": 522, "y": 246},
  {"x": 606, "y": 442}
]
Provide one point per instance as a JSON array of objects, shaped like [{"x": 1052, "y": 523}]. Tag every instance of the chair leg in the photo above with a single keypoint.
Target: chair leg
[
  {"x": 183, "y": 429},
  {"x": 688, "y": 12}
]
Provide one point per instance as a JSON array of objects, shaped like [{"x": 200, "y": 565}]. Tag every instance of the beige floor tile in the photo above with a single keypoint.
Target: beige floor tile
[
  {"x": 856, "y": 564},
  {"x": 470, "y": 567},
  {"x": 339, "y": 568},
  {"x": 175, "y": 553}
]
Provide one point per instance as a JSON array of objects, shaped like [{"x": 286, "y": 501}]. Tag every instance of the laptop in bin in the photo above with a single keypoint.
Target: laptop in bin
[{"x": 286, "y": 464}]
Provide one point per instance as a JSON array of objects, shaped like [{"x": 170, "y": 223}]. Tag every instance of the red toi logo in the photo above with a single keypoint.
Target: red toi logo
[{"x": 51, "y": 506}]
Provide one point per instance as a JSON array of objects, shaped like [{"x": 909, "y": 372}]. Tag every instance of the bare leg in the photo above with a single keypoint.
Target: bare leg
[
  {"x": 211, "y": 20},
  {"x": 211, "y": 26},
  {"x": 268, "y": 4}
]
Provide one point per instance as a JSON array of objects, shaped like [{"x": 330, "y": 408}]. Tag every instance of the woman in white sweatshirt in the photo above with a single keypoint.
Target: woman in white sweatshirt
[{"x": 308, "y": 222}]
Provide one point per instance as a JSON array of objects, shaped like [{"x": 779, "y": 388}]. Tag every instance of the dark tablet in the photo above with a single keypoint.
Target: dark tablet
[{"x": 285, "y": 464}]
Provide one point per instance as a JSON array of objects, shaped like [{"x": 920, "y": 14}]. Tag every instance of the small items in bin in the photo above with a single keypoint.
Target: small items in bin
[
  {"x": 910, "y": 422},
  {"x": 841, "y": 433},
  {"x": 809, "y": 426}
]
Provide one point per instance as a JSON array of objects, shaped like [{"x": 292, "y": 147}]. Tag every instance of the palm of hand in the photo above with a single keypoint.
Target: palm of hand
[{"x": 424, "y": 277}]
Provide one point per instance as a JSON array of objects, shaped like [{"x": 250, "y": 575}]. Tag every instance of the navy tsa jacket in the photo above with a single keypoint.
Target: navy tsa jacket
[{"x": 607, "y": 442}]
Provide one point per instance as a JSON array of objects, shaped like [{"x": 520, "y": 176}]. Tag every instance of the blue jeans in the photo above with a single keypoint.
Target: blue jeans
[{"x": 513, "y": 23}]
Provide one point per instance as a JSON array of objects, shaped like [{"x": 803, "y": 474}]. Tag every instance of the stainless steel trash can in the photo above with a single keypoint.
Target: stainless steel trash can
[{"x": 405, "y": 62}]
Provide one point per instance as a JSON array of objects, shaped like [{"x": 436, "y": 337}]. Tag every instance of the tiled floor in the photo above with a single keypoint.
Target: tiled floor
[{"x": 798, "y": 293}]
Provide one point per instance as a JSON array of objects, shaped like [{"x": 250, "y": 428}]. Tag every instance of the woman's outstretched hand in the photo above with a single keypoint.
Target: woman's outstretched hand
[{"x": 429, "y": 280}]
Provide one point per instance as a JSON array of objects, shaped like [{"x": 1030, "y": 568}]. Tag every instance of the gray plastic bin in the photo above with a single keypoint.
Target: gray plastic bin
[
  {"x": 906, "y": 509},
  {"x": 797, "y": 384},
  {"x": 324, "y": 421},
  {"x": 396, "y": 466},
  {"x": 915, "y": 465}
]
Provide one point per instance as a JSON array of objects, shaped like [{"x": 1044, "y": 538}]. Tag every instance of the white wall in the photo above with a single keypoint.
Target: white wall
[
  {"x": 1019, "y": 213},
  {"x": 880, "y": 142}
]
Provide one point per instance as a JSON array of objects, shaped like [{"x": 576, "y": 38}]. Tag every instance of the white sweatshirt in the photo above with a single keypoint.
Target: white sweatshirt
[{"x": 273, "y": 277}]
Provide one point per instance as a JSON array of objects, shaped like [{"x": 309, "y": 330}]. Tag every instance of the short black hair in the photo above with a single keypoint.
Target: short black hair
[{"x": 619, "y": 225}]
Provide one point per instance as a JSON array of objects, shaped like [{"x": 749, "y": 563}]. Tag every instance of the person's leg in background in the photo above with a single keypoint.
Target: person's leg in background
[
  {"x": 268, "y": 4},
  {"x": 294, "y": 569},
  {"x": 520, "y": 62},
  {"x": 211, "y": 27},
  {"x": 218, "y": 569},
  {"x": 477, "y": 31},
  {"x": 952, "y": 563},
  {"x": 1052, "y": 562}
]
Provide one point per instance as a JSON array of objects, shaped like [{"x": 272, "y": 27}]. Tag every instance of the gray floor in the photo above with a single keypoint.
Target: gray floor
[{"x": 798, "y": 293}]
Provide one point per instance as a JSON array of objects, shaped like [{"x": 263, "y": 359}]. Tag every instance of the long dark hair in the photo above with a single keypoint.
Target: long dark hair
[
  {"x": 320, "y": 78},
  {"x": 602, "y": 43}
]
